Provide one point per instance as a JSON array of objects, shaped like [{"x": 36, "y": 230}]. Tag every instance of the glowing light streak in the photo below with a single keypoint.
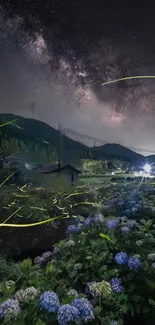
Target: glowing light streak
[{"x": 127, "y": 78}]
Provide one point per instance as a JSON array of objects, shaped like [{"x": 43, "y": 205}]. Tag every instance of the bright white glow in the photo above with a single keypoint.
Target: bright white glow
[{"x": 147, "y": 168}]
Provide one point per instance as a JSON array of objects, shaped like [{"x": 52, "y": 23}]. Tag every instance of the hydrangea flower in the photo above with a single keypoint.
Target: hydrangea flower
[
  {"x": 153, "y": 265},
  {"x": 38, "y": 260},
  {"x": 139, "y": 242},
  {"x": 72, "y": 229},
  {"x": 112, "y": 223},
  {"x": 125, "y": 230},
  {"x": 116, "y": 284},
  {"x": 98, "y": 218},
  {"x": 72, "y": 293},
  {"x": 151, "y": 257},
  {"x": 69, "y": 243},
  {"x": 88, "y": 221},
  {"x": 102, "y": 288},
  {"x": 134, "y": 263},
  {"x": 27, "y": 295},
  {"x": 132, "y": 224},
  {"x": 85, "y": 308},
  {"x": 10, "y": 309},
  {"x": 9, "y": 284},
  {"x": 49, "y": 302},
  {"x": 78, "y": 266},
  {"x": 121, "y": 258},
  {"x": 46, "y": 255},
  {"x": 114, "y": 322},
  {"x": 56, "y": 251},
  {"x": 68, "y": 314},
  {"x": 90, "y": 289}
]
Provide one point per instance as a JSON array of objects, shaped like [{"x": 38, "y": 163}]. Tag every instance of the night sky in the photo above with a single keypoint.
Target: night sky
[{"x": 58, "y": 53}]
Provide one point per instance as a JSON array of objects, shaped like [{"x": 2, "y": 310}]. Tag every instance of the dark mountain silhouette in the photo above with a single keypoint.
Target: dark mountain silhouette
[
  {"x": 117, "y": 151},
  {"x": 42, "y": 135}
]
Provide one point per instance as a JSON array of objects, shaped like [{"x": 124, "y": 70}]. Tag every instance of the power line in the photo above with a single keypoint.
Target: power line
[{"x": 67, "y": 131}]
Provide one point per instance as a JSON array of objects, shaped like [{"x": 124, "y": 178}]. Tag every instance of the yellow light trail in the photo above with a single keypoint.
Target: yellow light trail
[
  {"x": 126, "y": 78},
  {"x": 31, "y": 224}
]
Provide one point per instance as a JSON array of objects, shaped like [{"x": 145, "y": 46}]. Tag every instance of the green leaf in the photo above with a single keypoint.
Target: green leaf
[{"x": 39, "y": 322}]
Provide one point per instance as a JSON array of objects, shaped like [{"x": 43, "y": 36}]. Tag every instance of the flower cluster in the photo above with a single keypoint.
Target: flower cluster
[
  {"x": 151, "y": 257},
  {"x": 49, "y": 302},
  {"x": 85, "y": 308},
  {"x": 134, "y": 263},
  {"x": 102, "y": 288},
  {"x": 76, "y": 268},
  {"x": 67, "y": 314},
  {"x": 121, "y": 258},
  {"x": 112, "y": 223},
  {"x": 9, "y": 309},
  {"x": 116, "y": 285},
  {"x": 27, "y": 295},
  {"x": 72, "y": 293}
]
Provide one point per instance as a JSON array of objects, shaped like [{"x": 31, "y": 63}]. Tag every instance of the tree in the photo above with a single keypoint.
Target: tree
[{"x": 93, "y": 166}]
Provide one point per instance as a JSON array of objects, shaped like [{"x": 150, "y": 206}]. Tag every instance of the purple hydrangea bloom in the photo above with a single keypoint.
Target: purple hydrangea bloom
[
  {"x": 85, "y": 308},
  {"x": 39, "y": 260},
  {"x": 68, "y": 314},
  {"x": 125, "y": 230},
  {"x": 121, "y": 258},
  {"x": 132, "y": 224},
  {"x": 10, "y": 308},
  {"x": 72, "y": 229},
  {"x": 56, "y": 251},
  {"x": 1, "y": 313},
  {"x": 88, "y": 221},
  {"x": 49, "y": 302},
  {"x": 112, "y": 224},
  {"x": 153, "y": 265},
  {"x": 134, "y": 263},
  {"x": 46, "y": 255},
  {"x": 116, "y": 284}
]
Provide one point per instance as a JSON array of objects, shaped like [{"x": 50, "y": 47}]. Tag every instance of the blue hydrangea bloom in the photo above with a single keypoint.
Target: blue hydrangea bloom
[
  {"x": 121, "y": 258},
  {"x": 153, "y": 265},
  {"x": 67, "y": 314},
  {"x": 134, "y": 263},
  {"x": 85, "y": 308},
  {"x": 112, "y": 224},
  {"x": 49, "y": 302},
  {"x": 72, "y": 229},
  {"x": 116, "y": 284}
]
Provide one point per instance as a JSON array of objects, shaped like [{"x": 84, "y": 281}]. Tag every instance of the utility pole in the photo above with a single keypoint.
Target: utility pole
[{"x": 60, "y": 158}]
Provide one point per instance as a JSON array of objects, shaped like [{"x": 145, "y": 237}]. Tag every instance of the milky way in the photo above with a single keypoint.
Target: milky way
[{"x": 67, "y": 88}]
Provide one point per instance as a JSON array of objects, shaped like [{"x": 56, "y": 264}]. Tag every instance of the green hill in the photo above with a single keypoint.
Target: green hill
[{"x": 39, "y": 142}]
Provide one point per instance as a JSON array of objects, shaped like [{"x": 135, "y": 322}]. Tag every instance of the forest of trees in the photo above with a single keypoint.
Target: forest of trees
[{"x": 101, "y": 166}]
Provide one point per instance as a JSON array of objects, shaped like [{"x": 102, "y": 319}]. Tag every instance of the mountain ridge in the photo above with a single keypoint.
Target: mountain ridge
[{"x": 45, "y": 133}]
